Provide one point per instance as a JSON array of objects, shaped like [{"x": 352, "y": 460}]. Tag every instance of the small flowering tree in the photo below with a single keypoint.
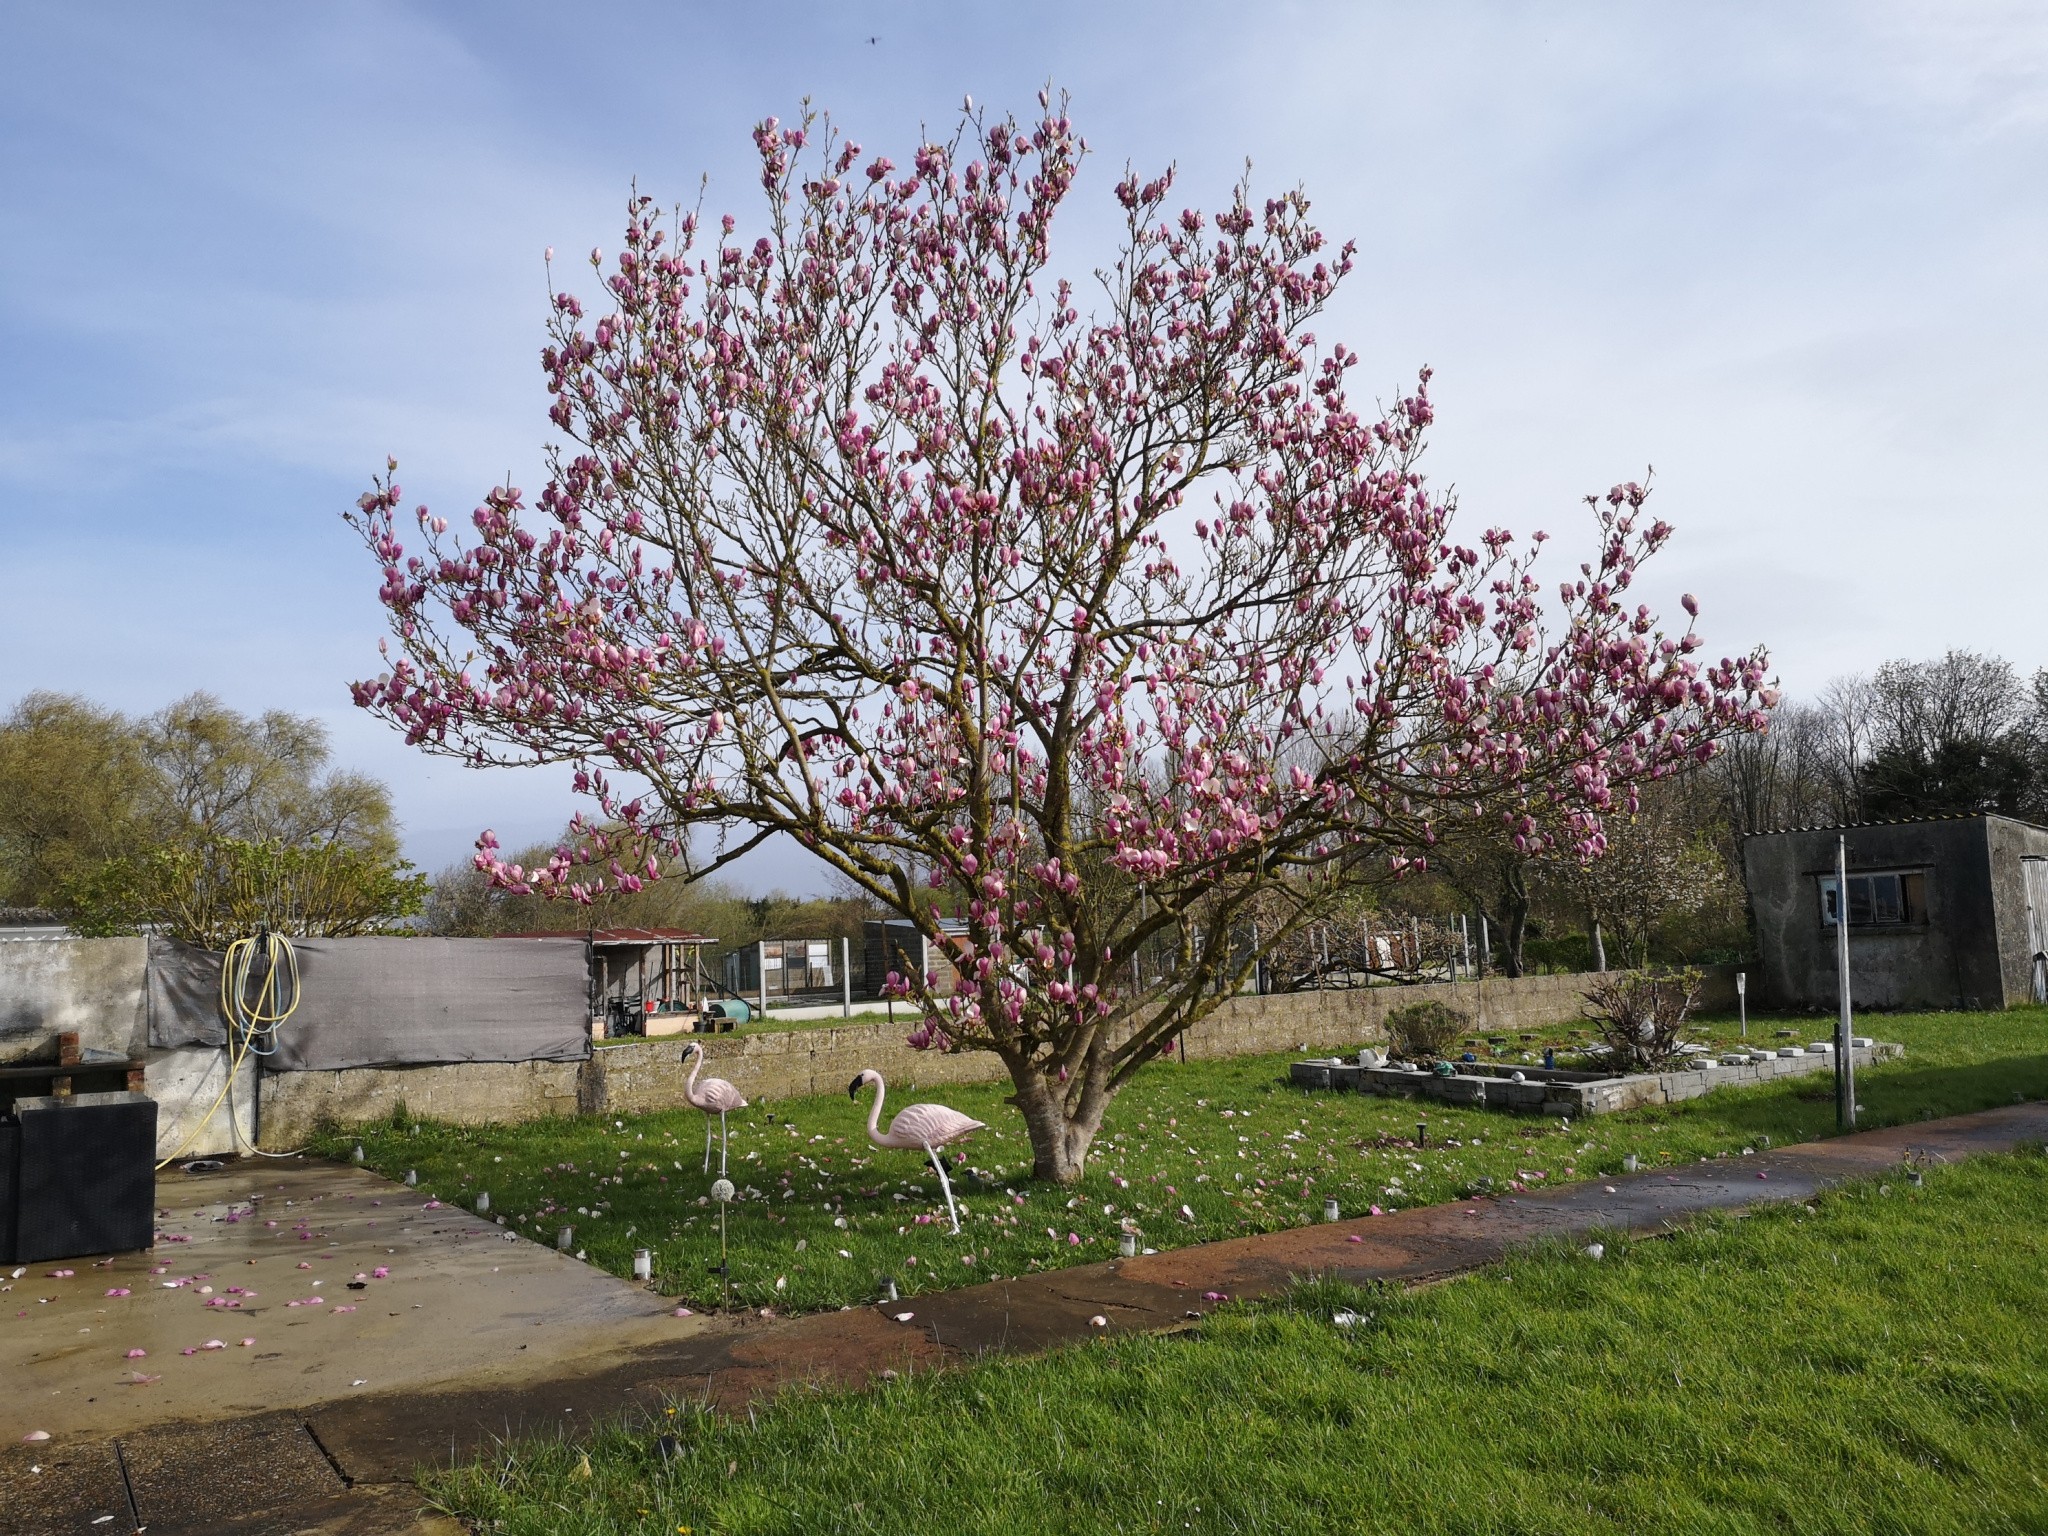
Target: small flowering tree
[{"x": 1086, "y": 627}]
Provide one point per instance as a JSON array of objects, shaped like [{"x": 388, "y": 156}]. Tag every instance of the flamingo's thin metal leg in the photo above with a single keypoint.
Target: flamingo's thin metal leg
[{"x": 945, "y": 1184}]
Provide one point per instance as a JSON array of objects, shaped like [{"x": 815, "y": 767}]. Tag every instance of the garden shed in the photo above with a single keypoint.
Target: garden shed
[{"x": 1950, "y": 912}]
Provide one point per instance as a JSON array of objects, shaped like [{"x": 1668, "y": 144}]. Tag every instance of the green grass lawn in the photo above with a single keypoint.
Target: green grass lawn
[
  {"x": 1191, "y": 1153},
  {"x": 1873, "y": 1362}
]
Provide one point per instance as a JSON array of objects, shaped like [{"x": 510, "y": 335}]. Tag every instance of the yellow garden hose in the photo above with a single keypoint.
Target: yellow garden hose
[{"x": 252, "y": 1025}]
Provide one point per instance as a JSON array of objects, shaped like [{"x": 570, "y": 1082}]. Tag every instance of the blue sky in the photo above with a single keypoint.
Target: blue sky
[{"x": 1795, "y": 257}]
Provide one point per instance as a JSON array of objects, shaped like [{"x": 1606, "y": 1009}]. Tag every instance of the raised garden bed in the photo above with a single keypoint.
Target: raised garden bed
[{"x": 1576, "y": 1094}]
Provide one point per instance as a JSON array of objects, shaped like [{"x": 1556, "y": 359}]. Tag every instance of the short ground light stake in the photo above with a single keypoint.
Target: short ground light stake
[
  {"x": 889, "y": 1289},
  {"x": 1127, "y": 1245},
  {"x": 357, "y": 1155},
  {"x": 722, "y": 1192},
  {"x": 643, "y": 1264},
  {"x": 565, "y": 1239},
  {"x": 412, "y": 1177},
  {"x": 1742, "y": 1000},
  {"x": 1628, "y": 1163},
  {"x": 483, "y": 1202},
  {"x": 1329, "y": 1210},
  {"x": 1422, "y": 1133}
]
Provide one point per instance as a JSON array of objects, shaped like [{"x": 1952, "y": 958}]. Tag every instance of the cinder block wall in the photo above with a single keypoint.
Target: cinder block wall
[{"x": 632, "y": 1077}]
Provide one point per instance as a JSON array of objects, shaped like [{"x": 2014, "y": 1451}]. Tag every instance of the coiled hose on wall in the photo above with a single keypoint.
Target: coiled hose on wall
[{"x": 259, "y": 991}]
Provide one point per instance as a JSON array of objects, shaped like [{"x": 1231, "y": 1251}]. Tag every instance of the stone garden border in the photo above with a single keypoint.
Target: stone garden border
[{"x": 1555, "y": 1091}]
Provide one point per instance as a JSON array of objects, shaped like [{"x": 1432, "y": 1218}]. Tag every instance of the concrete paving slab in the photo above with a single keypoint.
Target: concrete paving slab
[
  {"x": 57, "y": 1489},
  {"x": 203, "y": 1476},
  {"x": 288, "y": 1254}
]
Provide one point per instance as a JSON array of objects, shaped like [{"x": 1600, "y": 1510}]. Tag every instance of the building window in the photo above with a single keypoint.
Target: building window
[{"x": 1894, "y": 899}]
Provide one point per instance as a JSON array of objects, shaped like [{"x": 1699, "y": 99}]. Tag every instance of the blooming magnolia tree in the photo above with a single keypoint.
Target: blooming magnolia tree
[{"x": 1087, "y": 626}]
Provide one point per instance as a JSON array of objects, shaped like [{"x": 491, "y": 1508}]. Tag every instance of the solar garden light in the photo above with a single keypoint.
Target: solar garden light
[
  {"x": 643, "y": 1264},
  {"x": 1422, "y": 1133},
  {"x": 483, "y": 1202},
  {"x": 357, "y": 1155},
  {"x": 565, "y": 1239},
  {"x": 1127, "y": 1245},
  {"x": 1330, "y": 1210},
  {"x": 888, "y": 1288},
  {"x": 722, "y": 1192}
]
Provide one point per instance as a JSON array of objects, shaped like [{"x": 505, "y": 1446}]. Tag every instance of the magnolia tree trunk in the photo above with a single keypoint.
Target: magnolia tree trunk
[
  {"x": 1062, "y": 1130},
  {"x": 863, "y": 534}
]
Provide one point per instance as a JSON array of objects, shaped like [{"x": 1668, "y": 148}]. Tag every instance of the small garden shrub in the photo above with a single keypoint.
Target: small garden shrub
[
  {"x": 1424, "y": 1031},
  {"x": 1641, "y": 1017}
]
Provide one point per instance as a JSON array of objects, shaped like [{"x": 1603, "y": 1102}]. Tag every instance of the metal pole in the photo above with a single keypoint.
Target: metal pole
[
  {"x": 1258, "y": 964},
  {"x": 761, "y": 965},
  {"x": 1485, "y": 944},
  {"x": 1742, "y": 1000},
  {"x": 1845, "y": 1056},
  {"x": 845, "y": 977}
]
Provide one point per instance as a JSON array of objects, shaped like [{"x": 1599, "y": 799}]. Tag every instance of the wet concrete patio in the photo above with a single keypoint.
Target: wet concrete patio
[{"x": 344, "y": 1282}]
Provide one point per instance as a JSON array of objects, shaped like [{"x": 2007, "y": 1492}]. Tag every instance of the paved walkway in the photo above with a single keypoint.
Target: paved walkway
[{"x": 342, "y": 1463}]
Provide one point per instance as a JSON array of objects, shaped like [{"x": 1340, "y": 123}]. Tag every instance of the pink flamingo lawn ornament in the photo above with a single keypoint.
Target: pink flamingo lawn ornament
[
  {"x": 713, "y": 1094},
  {"x": 919, "y": 1127}
]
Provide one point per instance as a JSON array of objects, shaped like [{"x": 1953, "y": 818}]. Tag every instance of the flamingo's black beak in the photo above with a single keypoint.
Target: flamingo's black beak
[{"x": 853, "y": 1089}]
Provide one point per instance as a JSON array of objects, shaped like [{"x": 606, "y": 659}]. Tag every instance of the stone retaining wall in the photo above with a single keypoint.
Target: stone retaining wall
[{"x": 637, "y": 1076}]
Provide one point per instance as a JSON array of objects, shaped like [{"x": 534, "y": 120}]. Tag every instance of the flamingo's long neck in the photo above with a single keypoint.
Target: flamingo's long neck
[
  {"x": 875, "y": 1114},
  {"x": 690, "y": 1082}
]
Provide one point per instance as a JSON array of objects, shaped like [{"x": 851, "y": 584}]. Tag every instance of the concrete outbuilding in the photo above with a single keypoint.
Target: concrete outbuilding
[{"x": 1945, "y": 913}]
